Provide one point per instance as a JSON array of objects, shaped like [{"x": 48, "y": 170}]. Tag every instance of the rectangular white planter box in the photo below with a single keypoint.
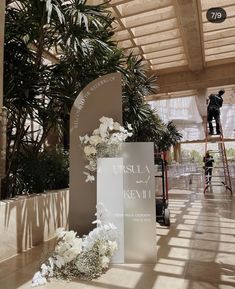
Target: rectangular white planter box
[{"x": 28, "y": 221}]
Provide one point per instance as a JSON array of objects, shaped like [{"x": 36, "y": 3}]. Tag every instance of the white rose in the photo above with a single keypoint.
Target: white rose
[
  {"x": 77, "y": 245},
  {"x": 69, "y": 236},
  {"x": 113, "y": 139},
  {"x": 107, "y": 121},
  {"x": 95, "y": 139},
  {"x": 89, "y": 150},
  {"x": 70, "y": 255}
]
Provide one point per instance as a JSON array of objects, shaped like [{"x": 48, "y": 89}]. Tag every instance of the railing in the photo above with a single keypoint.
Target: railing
[
  {"x": 190, "y": 175},
  {"x": 185, "y": 176}
]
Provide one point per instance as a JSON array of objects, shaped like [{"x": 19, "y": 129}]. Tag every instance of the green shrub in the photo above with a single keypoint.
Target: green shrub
[{"x": 34, "y": 173}]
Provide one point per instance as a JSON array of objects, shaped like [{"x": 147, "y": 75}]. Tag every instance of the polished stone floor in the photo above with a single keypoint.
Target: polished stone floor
[{"x": 196, "y": 252}]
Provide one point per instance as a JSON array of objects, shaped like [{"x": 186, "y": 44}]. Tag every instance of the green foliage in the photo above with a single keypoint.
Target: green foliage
[
  {"x": 169, "y": 136},
  {"x": 147, "y": 126},
  {"x": 192, "y": 156},
  {"x": 36, "y": 173},
  {"x": 230, "y": 154},
  {"x": 42, "y": 92}
]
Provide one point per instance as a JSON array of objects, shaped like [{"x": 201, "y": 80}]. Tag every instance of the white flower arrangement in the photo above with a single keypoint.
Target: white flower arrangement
[
  {"x": 104, "y": 141},
  {"x": 84, "y": 258}
]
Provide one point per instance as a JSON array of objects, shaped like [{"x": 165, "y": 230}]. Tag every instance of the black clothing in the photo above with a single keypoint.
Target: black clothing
[
  {"x": 208, "y": 160},
  {"x": 213, "y": 111},
  {"x": 216, "y": 101}
]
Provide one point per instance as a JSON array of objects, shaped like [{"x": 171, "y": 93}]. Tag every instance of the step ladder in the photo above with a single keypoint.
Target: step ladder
[{"x": 223, "y": 179}]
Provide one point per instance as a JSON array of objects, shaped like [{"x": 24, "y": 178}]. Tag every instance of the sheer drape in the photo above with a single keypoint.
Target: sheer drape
[{"x": 185, "y": 115}]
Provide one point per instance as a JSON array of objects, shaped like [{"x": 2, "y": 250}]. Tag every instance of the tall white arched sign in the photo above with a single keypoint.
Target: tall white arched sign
[{"x": 102, "y": 97}]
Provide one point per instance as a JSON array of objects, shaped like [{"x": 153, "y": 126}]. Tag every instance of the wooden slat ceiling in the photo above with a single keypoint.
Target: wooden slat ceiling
[
  {"x": 150, "y": 29},
  {"x": 174, "y": 35},
  {"x": 219, "y": 38},
  {"x": 177, "y": 42}
]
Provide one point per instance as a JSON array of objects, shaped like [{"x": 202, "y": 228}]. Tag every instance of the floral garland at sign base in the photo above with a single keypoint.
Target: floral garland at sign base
[
  {"x": 104, "y": 142},
  {"x": 82, "y": 258}
]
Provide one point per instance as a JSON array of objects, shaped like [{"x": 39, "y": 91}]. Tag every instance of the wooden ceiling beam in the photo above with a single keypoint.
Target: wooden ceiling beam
[
  {"x": 165, "y": 13},
  {"x": 217, "y": 35},
  {"x": 206, "y": 4},
  {"x": 220, "y": 62},
  {"x": 138, "y": 6},
  {"x": 219, "y": 43},
  {"x": 189, "y": 23},
  {"x": 212, "y": 76},
  {"x": 162, "y": 45},
  {"x": 166, "y": 52},
  {"x": 164, "y": 33},
  {"x": 167, "y": 59}
]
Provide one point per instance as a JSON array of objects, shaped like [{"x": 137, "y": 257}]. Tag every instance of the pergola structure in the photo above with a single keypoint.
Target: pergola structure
[{"x": 191, "y": 55}]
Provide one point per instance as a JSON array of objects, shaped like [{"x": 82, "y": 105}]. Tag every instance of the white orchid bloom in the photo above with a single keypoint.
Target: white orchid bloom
[
  {"x": 44, "y": 270},
  {"x": 103, "y": 130},
  {"x": 59, "y": 261},
  {"x": 81, "y": 138},
  {"x": 129, "y": 126},
  {"x": 51, "y": 267},
  {"x": 84, "y": 139},
  {"x": 38, "y": 279},
  {"x": 122, "y": 129},
  {"x": 60, "y": 232},
  {"x": 89, "y": 177}
]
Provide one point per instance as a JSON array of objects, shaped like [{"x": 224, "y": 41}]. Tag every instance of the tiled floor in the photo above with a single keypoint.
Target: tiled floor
[{"x": 196, "y": 252}]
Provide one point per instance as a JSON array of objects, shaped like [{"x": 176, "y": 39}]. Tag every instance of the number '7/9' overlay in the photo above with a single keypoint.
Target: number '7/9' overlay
[{"x": 216, "y": 15}]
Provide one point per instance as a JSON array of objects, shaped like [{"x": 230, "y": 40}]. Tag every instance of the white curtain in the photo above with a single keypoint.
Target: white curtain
[
  {"x": 228, "y": 120},
  {"x": 184, "y": 113}
]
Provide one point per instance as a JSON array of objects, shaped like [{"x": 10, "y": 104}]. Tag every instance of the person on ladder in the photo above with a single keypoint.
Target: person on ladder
[
  {"x": 208, "y": 160},
  {"x": 213, "y": 110}
]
